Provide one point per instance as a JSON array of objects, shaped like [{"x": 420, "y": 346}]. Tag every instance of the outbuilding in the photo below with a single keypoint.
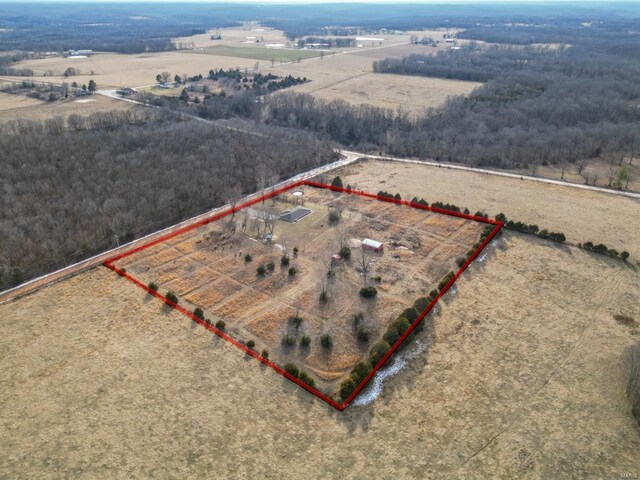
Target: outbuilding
[
  {"x": 373, "y": 245},
  {"x": 292, "y": 216}
]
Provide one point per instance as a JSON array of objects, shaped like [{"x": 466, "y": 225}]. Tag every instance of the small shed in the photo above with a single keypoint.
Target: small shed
[{"x": 373, "y": 245}]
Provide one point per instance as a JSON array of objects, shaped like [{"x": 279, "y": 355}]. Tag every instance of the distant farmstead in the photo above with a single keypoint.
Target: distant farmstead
[
  {"x": 294, "y": 215},
  {"x": 80, "y": 53},
  {"x": 372, "y": 245}
]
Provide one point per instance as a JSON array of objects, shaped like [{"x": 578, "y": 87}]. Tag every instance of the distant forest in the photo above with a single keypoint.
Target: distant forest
[
  {"x": 539, "y": 104},
  {"x": 146, "y": 26},
  {"x": 69, "y": 194}
]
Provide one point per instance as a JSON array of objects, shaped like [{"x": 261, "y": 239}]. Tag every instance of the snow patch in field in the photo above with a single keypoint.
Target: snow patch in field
[{"x": 397, "y": 362}]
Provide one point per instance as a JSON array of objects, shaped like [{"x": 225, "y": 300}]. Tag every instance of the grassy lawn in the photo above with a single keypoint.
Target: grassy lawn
[{"x": 260, "y": 53}]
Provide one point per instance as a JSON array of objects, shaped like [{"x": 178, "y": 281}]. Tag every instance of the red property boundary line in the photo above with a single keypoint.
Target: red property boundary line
[{"x": 339, "y": 406}]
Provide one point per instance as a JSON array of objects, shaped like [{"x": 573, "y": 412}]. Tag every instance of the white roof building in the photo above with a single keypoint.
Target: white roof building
[{"x": 372, "y": 245}]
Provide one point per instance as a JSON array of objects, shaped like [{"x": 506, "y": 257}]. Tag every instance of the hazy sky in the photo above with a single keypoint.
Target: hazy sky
[{"x": 280, "y": 2}]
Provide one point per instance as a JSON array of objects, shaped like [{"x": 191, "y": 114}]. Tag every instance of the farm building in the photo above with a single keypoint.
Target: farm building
[
  {"x": 368, "y": 244},
  {"x": 75, "y": 53},
  {"x": 292, "y": 216}
]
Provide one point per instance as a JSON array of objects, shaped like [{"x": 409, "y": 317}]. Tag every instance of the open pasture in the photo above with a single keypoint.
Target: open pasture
[{"x": 20, "y": 107}]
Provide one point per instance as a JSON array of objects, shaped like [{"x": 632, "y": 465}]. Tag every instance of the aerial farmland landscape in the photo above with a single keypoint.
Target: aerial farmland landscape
[{"x": 286, "y": 240}]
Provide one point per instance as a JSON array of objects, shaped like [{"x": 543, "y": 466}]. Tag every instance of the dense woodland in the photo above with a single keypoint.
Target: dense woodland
[
  {"x": 66, "y": 195},
  {"x": 540, "y": 105}
]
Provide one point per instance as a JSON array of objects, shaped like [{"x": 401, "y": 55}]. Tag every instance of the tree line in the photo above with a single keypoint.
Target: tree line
[{"x": 72, "y": 191}]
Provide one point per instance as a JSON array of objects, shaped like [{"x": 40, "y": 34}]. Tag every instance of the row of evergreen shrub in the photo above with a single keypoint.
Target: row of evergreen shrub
[
  {"x": 383, "y": 194},
  {"x": 301, "y": 375},
  {"x": 530, "y": 229},
  {"x": 448, "y": 206},
  {"x": 604, "y": 250}
]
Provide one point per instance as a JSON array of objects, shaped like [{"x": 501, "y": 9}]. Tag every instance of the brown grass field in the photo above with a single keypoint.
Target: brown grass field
[
  {"x": 522, "y": 375},
  {"x": 349, "y": 76},
  {"x": 14, "y": 107},
  {"x": 9, "y": 103},
  {"x": 206, "y": 268},
  {"x": 411, "y": 93}
]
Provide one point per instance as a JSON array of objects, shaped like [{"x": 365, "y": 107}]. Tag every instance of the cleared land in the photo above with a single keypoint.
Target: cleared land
[
  {"x": 349, "y": 77},
  {"x": 260, "y": 53},
  {"x": 597, "y": 171},
  {"x": 10, "y": 102},
  {"x": 580, "y": 214},
  {"x": 206, "y": 268},
  {"x": 247, "y": 34},
  {"x": 413, "y": 94},
  {"x": 18, "y": 109}
]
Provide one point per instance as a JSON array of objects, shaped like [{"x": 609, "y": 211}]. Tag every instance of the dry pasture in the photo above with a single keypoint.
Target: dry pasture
[
  {"x": 9, "y": 103},
  {"x": 597, "y": 171},
  {"x": 412, "y": 93},
  {"x": 522, "y": 378},
  {"x": 38, "y": 110}
]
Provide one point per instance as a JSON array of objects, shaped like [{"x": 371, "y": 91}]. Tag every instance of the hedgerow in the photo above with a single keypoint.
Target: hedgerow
[
  {"x": 447, "y": 278},
  {"x": 530, "y": 229},
  {"x": 602, "y": 249}
]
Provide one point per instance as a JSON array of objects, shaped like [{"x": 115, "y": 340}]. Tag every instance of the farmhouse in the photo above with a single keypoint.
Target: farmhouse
[
  {"x": 373, "y": 245},
  {"x": 292, "y": 216}
]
